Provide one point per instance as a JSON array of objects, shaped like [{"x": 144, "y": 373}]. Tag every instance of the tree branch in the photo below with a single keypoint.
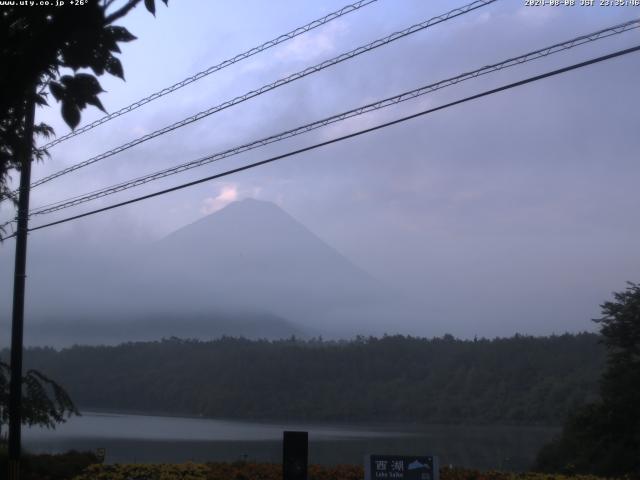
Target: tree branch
[{"x": 131, "y": 4}]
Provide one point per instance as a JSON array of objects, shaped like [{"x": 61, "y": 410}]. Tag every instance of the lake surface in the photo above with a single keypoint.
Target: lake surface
[{"x": 140, "y": 438}]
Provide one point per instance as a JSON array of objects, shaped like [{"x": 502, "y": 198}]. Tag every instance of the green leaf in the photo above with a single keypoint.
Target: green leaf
[
  {"x": 85, "y": 85},
  {"x": 95, "y": 101},
  {"x": 41, "y": 100},
  {"x": 43, "y": 129},
  {"x": 97, "y": 66},
  {"x": 78, "y": 90},
  {"x": 120, "y": 34},
  {"x": 151, "y": 6},
  {"x": 57, "y": 90},
  {"x": 109, "y": 42},
  {"x": 114, "y": 67},
  {"x": 70, "y": 113}
]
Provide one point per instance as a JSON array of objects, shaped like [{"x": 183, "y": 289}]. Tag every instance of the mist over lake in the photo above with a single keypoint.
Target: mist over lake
[{"x": 135, "y": 438}]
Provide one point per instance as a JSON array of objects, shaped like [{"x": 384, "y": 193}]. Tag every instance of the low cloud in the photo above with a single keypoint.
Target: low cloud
[
  {"x": 228, "y": 194},
  {"x": 312, "y": 45}
]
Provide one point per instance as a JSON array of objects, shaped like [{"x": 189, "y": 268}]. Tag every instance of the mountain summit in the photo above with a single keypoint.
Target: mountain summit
[{"x": 252, "y": 254}]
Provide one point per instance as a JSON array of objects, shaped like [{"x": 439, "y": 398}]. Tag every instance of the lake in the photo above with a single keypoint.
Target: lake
[{"x": 141, "y": 438}]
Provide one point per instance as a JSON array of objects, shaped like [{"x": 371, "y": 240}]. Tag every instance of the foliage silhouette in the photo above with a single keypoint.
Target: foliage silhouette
[
  {"x": 38, "y": 44},
  {"x": 604, "y": 437},
  {"x": 44, "y": 403}
]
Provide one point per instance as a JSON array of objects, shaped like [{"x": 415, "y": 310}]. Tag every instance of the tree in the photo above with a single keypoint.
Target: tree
[
  {"x": 45, "y": 403},
  {"x": 604, "y": 437},
  {"x": 49, "y": 50},
  {"x": 38, "y": 45}
]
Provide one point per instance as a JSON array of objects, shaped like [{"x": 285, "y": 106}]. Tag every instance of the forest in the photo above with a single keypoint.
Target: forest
[{"x": 517, "y": 380}]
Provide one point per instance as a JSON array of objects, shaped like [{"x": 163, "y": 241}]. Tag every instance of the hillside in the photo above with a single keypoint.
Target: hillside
[
  {"x": 516, "y": 380},
  {"x": 247, "y": 270}
]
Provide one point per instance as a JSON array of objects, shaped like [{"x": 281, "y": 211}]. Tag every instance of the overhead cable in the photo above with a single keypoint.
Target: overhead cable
[
  {"x": 345, "y": 137},
  {"x": 540, "y": 53},
  {"x": 215, "y": 68},
  {"x": 271, "y": 86}
]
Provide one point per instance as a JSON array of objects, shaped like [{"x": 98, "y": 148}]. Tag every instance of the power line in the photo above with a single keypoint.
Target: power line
[
  {"x": 540, "y": 53},
  {"x": 345, "y": 137},
  {"x": 226, "y": 63},
  {"x": 435, "y": 20},
  {"x": 271, "y": 86}
]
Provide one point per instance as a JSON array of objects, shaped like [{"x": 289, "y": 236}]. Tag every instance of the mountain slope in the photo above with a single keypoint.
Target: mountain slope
[
  {"x": 249, "y": 269},
  {"x": 253, "y": 255}
]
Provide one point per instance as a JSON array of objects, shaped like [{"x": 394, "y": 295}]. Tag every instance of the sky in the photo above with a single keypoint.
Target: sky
[{"x": 511, "y": 213}]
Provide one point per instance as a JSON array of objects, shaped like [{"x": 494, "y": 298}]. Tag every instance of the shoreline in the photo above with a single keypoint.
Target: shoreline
[{"x": 364, "y": 424}]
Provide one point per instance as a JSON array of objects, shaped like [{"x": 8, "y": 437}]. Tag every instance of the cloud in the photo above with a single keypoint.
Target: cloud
[
  {"x": 312, "y": 45},
  {"x": 537, "y": 16},
  {"x": 228, "y": 194},
  {"x": 491, "y": 199},
  {"x": 139, "y": 130}
]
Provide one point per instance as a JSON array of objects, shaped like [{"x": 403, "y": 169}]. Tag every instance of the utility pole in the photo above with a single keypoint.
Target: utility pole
[{"x": 17, "y": 323}]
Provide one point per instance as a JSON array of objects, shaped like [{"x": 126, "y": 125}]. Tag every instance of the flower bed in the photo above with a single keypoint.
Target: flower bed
[{"x": 267, "y": 471}]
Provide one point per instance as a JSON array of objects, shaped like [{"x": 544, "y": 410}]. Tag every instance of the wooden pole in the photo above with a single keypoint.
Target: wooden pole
[{"x": 17, "y": 324}]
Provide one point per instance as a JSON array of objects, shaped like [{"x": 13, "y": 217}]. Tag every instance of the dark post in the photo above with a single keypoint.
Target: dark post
[
  {"x": 295, "y": 455},
  {"x": 17, "y": 324}
]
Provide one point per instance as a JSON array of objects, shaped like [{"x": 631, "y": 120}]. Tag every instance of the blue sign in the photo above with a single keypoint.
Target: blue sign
[{"x": 396, "y": 467}]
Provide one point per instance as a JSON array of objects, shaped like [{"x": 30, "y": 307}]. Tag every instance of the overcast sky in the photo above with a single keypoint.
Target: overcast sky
[{"x": 513, "y": 213}]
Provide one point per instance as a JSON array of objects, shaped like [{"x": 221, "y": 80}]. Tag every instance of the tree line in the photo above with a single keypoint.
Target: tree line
[{"x": 517, "y": 380}]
